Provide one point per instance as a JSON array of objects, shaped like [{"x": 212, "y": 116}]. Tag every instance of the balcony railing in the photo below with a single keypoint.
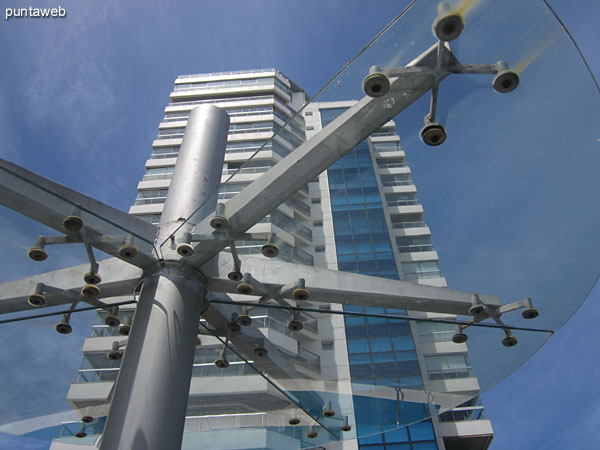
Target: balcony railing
[
  {"x": 461, "y": 414},
  {"x": 224, "y": 100},
  {"x": 169, "y": 136},
  {"x": 271, "y": 323},
  {"x": 449, "y": 374},
  {"x": 150, "y": 201},
  {"x": 402, "y": 202},
  {"x": 423, "y": 275},
  {"x": 415, "y": 248},
  {"x": 236, "y": 368},
  {"x": 164, "y": 155},
  {"x": 303, "y": 257},
  {"x": 233, "y": 72},
  {"x": 203, "y": 86},
  {"x": 97, "y": 375},
  {"x": 300, "y": 205},
  {"x": 390, "y": 165},
  {"x": 409, "y": 224},
  {"x": 104, "y": 331},
  {"x": 246, "y": 170},
  {"x": 309, "y": 359},
  {"x": 396, "y": 183},
  {"x": 436, "y": 336},
  {"x": 158, "y": 176}
]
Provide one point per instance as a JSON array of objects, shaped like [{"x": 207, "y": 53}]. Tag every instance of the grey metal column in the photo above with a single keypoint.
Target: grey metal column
[{"x": 151, "y": 393}]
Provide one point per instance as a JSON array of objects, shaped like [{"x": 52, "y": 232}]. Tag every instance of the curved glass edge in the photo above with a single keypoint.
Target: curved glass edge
[
  {"x": 514, "y": 228},
  {"x": 532, "y": 347},
  {"x": 524, "y": 56}
]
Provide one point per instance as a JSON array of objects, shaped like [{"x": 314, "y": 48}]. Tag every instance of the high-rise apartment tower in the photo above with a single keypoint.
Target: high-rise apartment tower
[{"x": 361, "y": 215}]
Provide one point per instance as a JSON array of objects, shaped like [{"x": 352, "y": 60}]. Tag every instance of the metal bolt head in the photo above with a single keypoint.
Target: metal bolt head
[
  {"x": 245, "y": 288},
  {"x": 376, "y": 85},
  {"x": 36, "y": 300},
  {"x": 124, "y": 330},
  {"x": 260, "y": 352},
  {"x": 90, "y": 290},
  {"x": 477, "y": 310},
  {"x": 269, "y": 250},
  {"x": 219, "y": 222},
  {"x": 222, "y": 363},
  {"x": 295, "y": 325},
  {"x": 449, "y": 26},
  {"x": 245, "y": 320},
  {"x": 235, "y": 276},
  {"x": 37, "y": 254},
  {"x": 185, "y": 250},
  {"x": 328, "y": 412},
  {"x": 346, "y": 427},
  {"x": 80, "y": 434},
  {"x": 112, "y": 321},
  {"x": 301, "y": 294},
  {"x": 433, "y": 134},
  {"x": 73, "y": 223},
  {"x": 459, "y": 338},
  {"x": 64, "y": 328},
  {"x": 92, "y": 278},
  {"x": 87, "y": 419},
  {"x": 294, "y": 421},
  {"x": 505, "y": 81},
  {"x": 530, "y": 313},
  {"x": 115, "y": 355},
  {"x": 311, "y": 434},
  {"x": 128, "y": 251},
  {"x": 509, "y": 341}
]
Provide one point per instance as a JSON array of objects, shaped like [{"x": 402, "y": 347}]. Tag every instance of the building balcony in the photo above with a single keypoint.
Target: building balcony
[
  {"x": 158, "y": 183},
  {"x": 161, "y": 162},
  {"x": 385, "y": 136},
  {"x": 418, "y": 229},
  {"x": 399, "y": 187},
  {"x": 167, "y": 141},
  {"x": 232, "y": 102},
  {"x": 466, "y": 434},
  {"x": 455, "y": 385},
  {"x": 418, "y": 256},
  {"x": 155, "y": 208},
  {"x": 228, "y": 91}
]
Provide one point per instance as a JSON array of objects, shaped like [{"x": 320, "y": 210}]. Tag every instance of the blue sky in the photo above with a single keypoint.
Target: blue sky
[{"x": 81, "y": 98}]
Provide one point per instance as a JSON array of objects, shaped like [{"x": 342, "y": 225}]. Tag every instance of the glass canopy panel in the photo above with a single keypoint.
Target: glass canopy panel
[
  {"x": 77, "y": 220},
  {"x": 511, "y": 216},
  {"x": 280, "y": 408},
  {"x": 309, "y": 374},
  {"x": 508, "y": 197},
  {"x": 40, "y": 367}
]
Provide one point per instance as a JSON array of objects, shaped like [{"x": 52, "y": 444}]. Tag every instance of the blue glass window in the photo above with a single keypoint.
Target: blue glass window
[
  {"x": 425, "y": 446},
  {"x": 358, "y": 346},
  {"x": 381, "y": 352},
  {"x": 421, "y": 431}
]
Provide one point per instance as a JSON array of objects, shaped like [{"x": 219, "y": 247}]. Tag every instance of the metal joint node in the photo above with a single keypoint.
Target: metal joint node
[
  {"x": 219, "y": 221},
  {"x": 184, "y": 247},
  {"x": 116, "y": 353}
]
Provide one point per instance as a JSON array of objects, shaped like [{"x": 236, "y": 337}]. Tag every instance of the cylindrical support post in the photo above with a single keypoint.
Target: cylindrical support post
[
  {"x": 197, "y": 175},
  {"x": 150, "y": 398},
  {"x": 151, "y": 393}
]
